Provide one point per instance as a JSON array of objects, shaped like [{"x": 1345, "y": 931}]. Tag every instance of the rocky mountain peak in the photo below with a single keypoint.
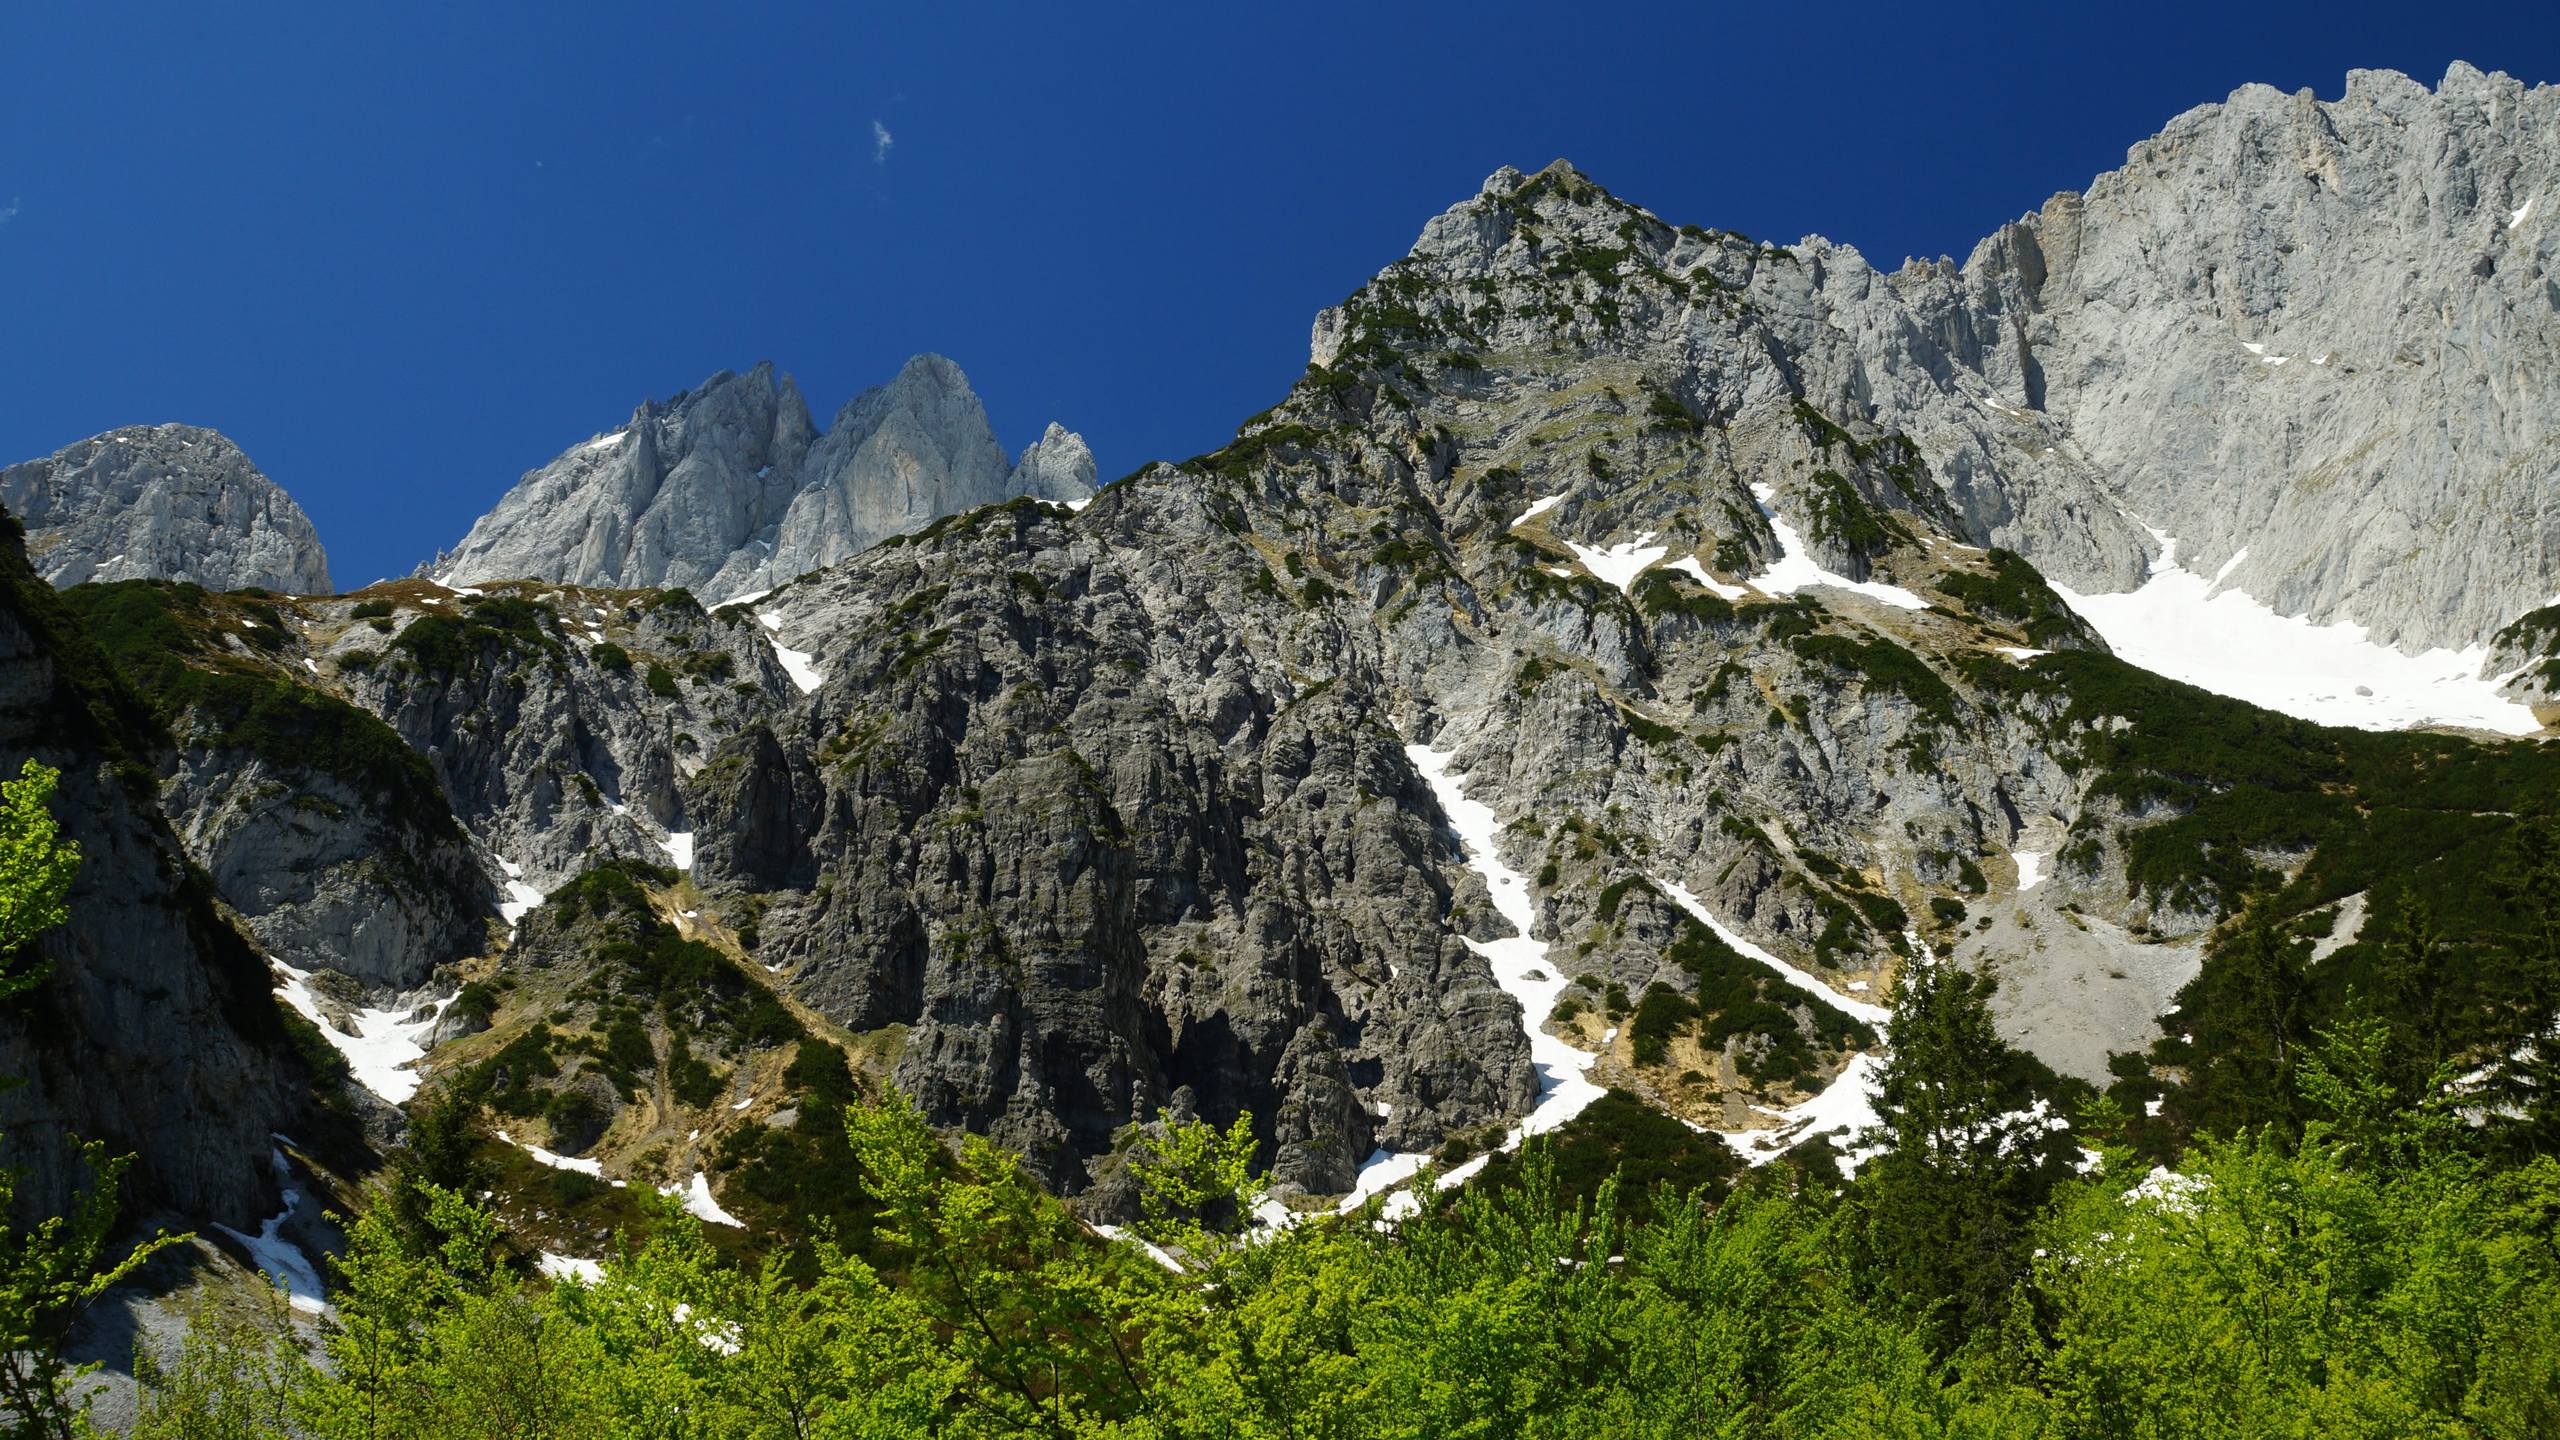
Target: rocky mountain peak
[
  {"x": 1057, "y": 466},
  {"x": 173, "y": 502},
  {"x": 730, "y": 487}
]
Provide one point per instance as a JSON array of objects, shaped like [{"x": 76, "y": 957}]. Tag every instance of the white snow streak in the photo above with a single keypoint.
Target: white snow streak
[
  {"x": 680, "y": 848},
  {"x": 798, "y": 664},
  {"x": 1537, "y": 508},
  {"x": 1384, "y": 1170},
  {"x": 581, "y": 1165},
  {"x": 1797, "y": 570},
  {"x": 1804, "y": 980},
  {"x": 2030, "y": 868},
  {"x": 1520, "y": 961},
  {"x": 570, "y": 1267},
  {"x": 283, "y": 1262},
  {"x": 1699, "y": 573},
  {"x": 1154, "y": 1252},
  {"x": 2180, "y": 625},
  {"x": 2522, "y": 214},
  {"x": 521, "y": 897},
  {"x": 605, "y": 442}
]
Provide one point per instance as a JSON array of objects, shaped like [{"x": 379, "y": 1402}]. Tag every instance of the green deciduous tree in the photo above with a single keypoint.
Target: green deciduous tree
[{"x": 36, "y": 868}]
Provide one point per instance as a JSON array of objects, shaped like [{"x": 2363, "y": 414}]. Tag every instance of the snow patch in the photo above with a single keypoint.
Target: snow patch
[
  {"x": 1620, "y": 564},
  {"x": 2178, "y": 624},
  {"x": 1382, "y": 1171},
  {"x": 521, "y": 898},
  {"x": 2522, "y": 213},
  {"x": 798, "y": 664},
  {"x": 1804, "y": 980},
  {"x": 2020, "y": 653},
  {"x": 570, "y": 1267},
  {"x": 1795, "y": 570},
  {"x": 699, "y": 1201},
  {"x": 581, "y": 1165},
  {"x": 2030, "y": 869},
  {"x": 604, "y": 442},
  {"x": 679, "y": 845},
  {"x": 1845, "y": 1111},
  {"x": 1154, "y": 1252},
  {"x": 1537, "y": 507}
]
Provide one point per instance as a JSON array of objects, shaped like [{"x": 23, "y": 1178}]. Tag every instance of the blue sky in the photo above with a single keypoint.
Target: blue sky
[{"x": 404, "y": 252}]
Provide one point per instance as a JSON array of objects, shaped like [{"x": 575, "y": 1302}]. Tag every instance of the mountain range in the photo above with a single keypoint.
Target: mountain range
[{"x": 1626, "y": 650}]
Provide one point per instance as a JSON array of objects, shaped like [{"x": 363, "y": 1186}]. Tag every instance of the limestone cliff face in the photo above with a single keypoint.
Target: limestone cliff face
[
  {"x": 172, "y": 502},
  {"x": 666, "y": 500},
  {"x": 730, "y": 488},
  {"x": 2324, "y": 333}
]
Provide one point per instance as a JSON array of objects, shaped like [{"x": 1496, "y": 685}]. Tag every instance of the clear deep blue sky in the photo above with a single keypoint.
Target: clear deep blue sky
[{"x": 404, "y": 252}]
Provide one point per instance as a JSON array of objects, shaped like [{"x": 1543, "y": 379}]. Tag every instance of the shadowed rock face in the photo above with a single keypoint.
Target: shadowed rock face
[
  {"x": 170, "y": 502},
  {"x": 729, "y": 488},
  {"x": 157, "y": 1033}
]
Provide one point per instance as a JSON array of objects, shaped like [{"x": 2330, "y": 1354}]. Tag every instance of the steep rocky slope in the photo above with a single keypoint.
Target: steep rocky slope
[
  {"x": 1111, "y": 805},
  {"x": 1102, "y": 807},
  {"x": 314, "y": 821},
  {"x": 729, "y": 488},
  {"x": 170, "y": 502}
]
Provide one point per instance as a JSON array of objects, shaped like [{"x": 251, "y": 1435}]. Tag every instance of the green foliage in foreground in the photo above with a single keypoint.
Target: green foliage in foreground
[{"x": 2372, "y": 1281}]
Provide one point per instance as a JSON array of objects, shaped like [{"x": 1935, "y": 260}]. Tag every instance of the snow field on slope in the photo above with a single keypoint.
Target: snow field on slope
[
  {"x": 2179, "y": 625},
  {"x": 1620, "y": 564},
  {"x": 521, "y": 897},
  {"x": 385, "y": 1044}
]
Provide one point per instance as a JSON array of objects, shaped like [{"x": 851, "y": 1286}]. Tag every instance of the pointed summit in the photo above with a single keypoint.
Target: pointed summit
[
  {"x": 1057, "y": 466},
  {"x": 729, "y": 487}
]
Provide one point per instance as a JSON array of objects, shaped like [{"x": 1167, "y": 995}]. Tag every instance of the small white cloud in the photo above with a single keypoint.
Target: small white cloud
[
  {"x": 9, "y": 211},
  {"x": 881, "y": 140}
]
